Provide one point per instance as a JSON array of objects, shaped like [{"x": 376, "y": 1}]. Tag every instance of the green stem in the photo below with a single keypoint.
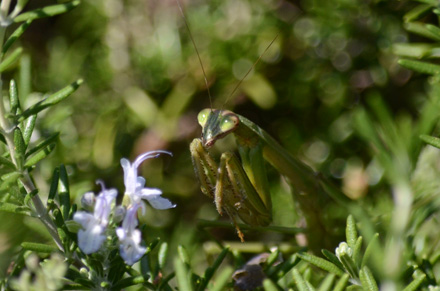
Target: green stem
[
  {"x": 41, "y": 210},
  {"x": 6, "y": 130}
]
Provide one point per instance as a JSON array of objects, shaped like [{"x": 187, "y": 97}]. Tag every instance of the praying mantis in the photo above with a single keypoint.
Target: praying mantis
[{"x": 240, "y": 187}]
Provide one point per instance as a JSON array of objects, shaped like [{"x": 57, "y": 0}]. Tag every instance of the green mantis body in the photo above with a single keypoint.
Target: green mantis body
[{"x": 240, "y": 188}]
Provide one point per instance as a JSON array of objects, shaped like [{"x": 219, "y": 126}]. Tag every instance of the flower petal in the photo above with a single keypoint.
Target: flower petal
[
  {"x": 148, "y": 155},
  {"x": 155, "y": 200},
  {"x": 90, "y": 240},
  {"x": 120, "y": 232},
  {"x": 140, "y": 183},
  {"x": 83, "y": 218},
  {"x": 103, "y": 205},
  {"x": 126, "y": 165},
  {"x": 130, "y": 249},
  {"x": 145, "y": 192},
  {"x": 130, "y": 176}
]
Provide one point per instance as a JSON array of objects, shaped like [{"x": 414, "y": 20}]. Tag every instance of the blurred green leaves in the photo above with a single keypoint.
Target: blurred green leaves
[{"x": 331, "y": 79}]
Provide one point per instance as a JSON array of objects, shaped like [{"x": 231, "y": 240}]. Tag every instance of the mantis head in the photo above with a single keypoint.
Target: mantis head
[{"x": 216, "y": 124}]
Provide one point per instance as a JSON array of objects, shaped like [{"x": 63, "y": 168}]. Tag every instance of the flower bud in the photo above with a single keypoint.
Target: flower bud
[
  {"x": 343, "y": 249},
  {"x": 88, "y": 201}
]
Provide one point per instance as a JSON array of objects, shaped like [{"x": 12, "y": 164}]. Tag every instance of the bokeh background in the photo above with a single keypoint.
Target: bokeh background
[{"x": 143, "y": 87}]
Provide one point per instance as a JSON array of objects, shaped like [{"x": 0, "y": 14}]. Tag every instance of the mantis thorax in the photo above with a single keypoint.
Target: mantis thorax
[{"x": 216, "y": 124}]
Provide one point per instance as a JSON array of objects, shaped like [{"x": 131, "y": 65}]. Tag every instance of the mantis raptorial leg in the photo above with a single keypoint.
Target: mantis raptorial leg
[{"x": 230, "y": 187}]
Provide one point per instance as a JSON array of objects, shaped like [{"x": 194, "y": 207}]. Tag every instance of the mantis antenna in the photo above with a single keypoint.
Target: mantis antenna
[
  {"x": 250, "y": 70},
  {"x": 197, "y": 51},
  {"x": 201, "y": 63}
]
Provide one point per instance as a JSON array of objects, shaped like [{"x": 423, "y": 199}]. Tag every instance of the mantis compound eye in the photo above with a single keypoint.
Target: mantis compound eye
[
  {"x": 229, "y": 122},
  {"x": 202, "y": 117}
]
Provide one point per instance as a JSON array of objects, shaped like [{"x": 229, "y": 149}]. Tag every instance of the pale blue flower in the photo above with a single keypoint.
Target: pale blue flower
[
  {"x": 91, "y": 237},
  {"x": 130, "y": 237},
  {"x": 134, "y": 184}
]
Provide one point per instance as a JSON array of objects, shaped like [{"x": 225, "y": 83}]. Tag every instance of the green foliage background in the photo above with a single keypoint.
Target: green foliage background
[{"x": 330, "y": 89}]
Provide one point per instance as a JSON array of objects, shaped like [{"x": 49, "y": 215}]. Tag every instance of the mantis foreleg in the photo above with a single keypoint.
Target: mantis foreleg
[{"x": 230, "y": 187}]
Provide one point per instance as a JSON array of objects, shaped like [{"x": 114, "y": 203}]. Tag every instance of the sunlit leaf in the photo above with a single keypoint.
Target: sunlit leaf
[
  {"x": 434, "y": 141},
  {"x": 41, "y": 154},
  {"x": 47, "y": 11},
  {"x": 15, "y": 35},
  {"x": 13, "y": 97},
  {"x": 367, "y": 279},
  {"x": 51, "y": 139},
  {"x": 351, "y": 231},
  {"x": 51, "y": 100},
  {"x": 321, "y": 263},
  {"x": 414, "y": 50},
  {"x": 414, "y": 285},
  {"x": 421, "y": 29},
  {"x": 419, "y": 66},
  {"x": 37, "y": 247},
  {"x": 19, "y": 148},
  {"x": 29, "y": 126}
]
